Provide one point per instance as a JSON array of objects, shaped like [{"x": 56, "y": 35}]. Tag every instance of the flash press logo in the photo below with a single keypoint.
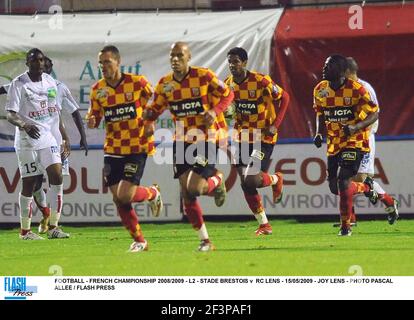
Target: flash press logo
[{"x": 17, "y": 289}]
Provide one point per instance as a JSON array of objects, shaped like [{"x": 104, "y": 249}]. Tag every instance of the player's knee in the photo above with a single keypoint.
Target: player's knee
[
  {"x": 333, "y": 186},
  {"x": 253, "y": 182},
  {"x": 247, "y": 190},
  {"x": 38, "y": 184},
  {"x": 360, "y": 177},
  {"x": 194, "y": 191},
  {"x": 343, "y": 184},
  {"x": 124, "y": 198}
]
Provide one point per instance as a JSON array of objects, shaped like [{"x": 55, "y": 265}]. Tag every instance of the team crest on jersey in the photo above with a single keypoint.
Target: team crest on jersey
[
  {"x": 168, "y": 87},
  {"x": 129, "y": 96},
  {"x": 51, "y": 93},
  {"x": 252, "y": 93},
  {"x": 195, "y": 91},
  {"x": 102, "y": 93},
  {"x": 43, "y": 104},
  {"x": 347, "y": 101},
  {"x": 323, "y": 93}
]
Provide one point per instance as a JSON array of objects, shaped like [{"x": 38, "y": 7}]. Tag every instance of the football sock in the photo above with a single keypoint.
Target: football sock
[
  {"x": 255, "y": 204},
  {"x": 194, "y": 213},
  {"x": 269, "y": 180},
  {"x": 378, "y": 188},
  {"x": 387, "y": 200},
  {"x": 345, "y": 204},
  {"x": 213, "y": 183},
  {"x": 202, "y": 232},
  {"x": 39, "y": 198},
  {"x": 55, "y": 198},
  {"x": 144, "y": 194},
  {"x": 25, "y": 204},
  {"x": 130, "y": 221}
]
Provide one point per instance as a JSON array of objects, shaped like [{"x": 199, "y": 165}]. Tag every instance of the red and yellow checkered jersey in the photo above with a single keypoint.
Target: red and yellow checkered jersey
[
  {"x": 255, "y": 102},
  {"x": 188, "y": 100},
  {"x": 348, "y": 105},
  {"x": 122, "y": 109}
]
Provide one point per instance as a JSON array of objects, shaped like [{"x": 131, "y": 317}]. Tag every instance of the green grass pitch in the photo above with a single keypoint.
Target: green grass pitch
[{"x": 307, "y": 249}]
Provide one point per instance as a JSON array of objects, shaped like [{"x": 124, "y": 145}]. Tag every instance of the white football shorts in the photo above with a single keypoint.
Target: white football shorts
[
  {"x": 35, "y": 162},
  {"x": 367, "y": 163}
]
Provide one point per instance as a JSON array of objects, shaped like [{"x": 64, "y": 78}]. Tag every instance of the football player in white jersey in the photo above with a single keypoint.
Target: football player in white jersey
[
  {"x": 33, "y": 108},
  {"x": 366, "y": 168},
  {"x": 69, "y": 105}
]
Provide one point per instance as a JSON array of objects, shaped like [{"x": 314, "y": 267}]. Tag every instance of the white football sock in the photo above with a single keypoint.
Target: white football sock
[
  {"x": 202, "y": 233},
  {"x": 56, "y": 201},
  {"x": 261, "y": 218},
  {"x": 378, "y": 188},
  {"x": 25, "y": 211}
]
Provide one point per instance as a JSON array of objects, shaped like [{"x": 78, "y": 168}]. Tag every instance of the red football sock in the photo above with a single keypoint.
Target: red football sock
[
  {"x": 143, "y": 194},
  {"x": 130, "y": 221},
  {"x": 255, "y": 202},
  {"x": 213, "y": 183},
  {"x": 358, "y": 187},
  {"x": 267, "y": 180},
  {"x": 353, "y": 215},
  {"x": 345, "y": 204},
  {"x": 194, "y": 213},
  {"x": 387, "y": 199}
]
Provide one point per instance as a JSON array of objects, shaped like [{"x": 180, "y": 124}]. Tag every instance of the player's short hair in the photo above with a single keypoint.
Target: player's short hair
[
  {"x": 114, "y": 50},
  {"x": 32, "y": 53},
  {"x": 341, "y": 61},
  {"x": 352, "y": 65},
  {"x": 240, "y": 52}
]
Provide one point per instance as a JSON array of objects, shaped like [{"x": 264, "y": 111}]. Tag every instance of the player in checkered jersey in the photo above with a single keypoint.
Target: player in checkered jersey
[
  {"x": 32, "y": 106},
  {"x": 367, "y": 164},
  {"x": 189, "y": 93},
  {"x": 120, "y": 98},
  {"x": 260, "y": 106},
  {"x": 348, "y": 112}
]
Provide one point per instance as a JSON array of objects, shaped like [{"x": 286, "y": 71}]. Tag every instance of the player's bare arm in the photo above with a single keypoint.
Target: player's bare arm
[
  {"x": 17, "y": 121},
  {"x": 77, "y": 118},
  {"x": 66, "y": 142},
  {"x": 317, "y": 140}
]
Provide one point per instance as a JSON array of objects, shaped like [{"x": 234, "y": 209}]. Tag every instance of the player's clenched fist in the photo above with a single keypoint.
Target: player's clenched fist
[
  {"x": 149, "y": 129},
  {"x": 91, "y": 122}
]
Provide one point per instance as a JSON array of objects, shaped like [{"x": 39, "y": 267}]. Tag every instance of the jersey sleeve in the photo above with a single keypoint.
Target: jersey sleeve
[
  {"x": 146, "y": 91},
  {"x": 14, "y": 97},
  {"x": 68, "y": 102},
  {"x": 95, "y": 108},
  {"x": 160, "y": 103},
  {"x": 317, "y": 103},
  {"x": 271, "y": 89},
  {"x": 215, "y": 86},
  {"x": 6, "y": 87},
  {"x": 366, "y": 105}
]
